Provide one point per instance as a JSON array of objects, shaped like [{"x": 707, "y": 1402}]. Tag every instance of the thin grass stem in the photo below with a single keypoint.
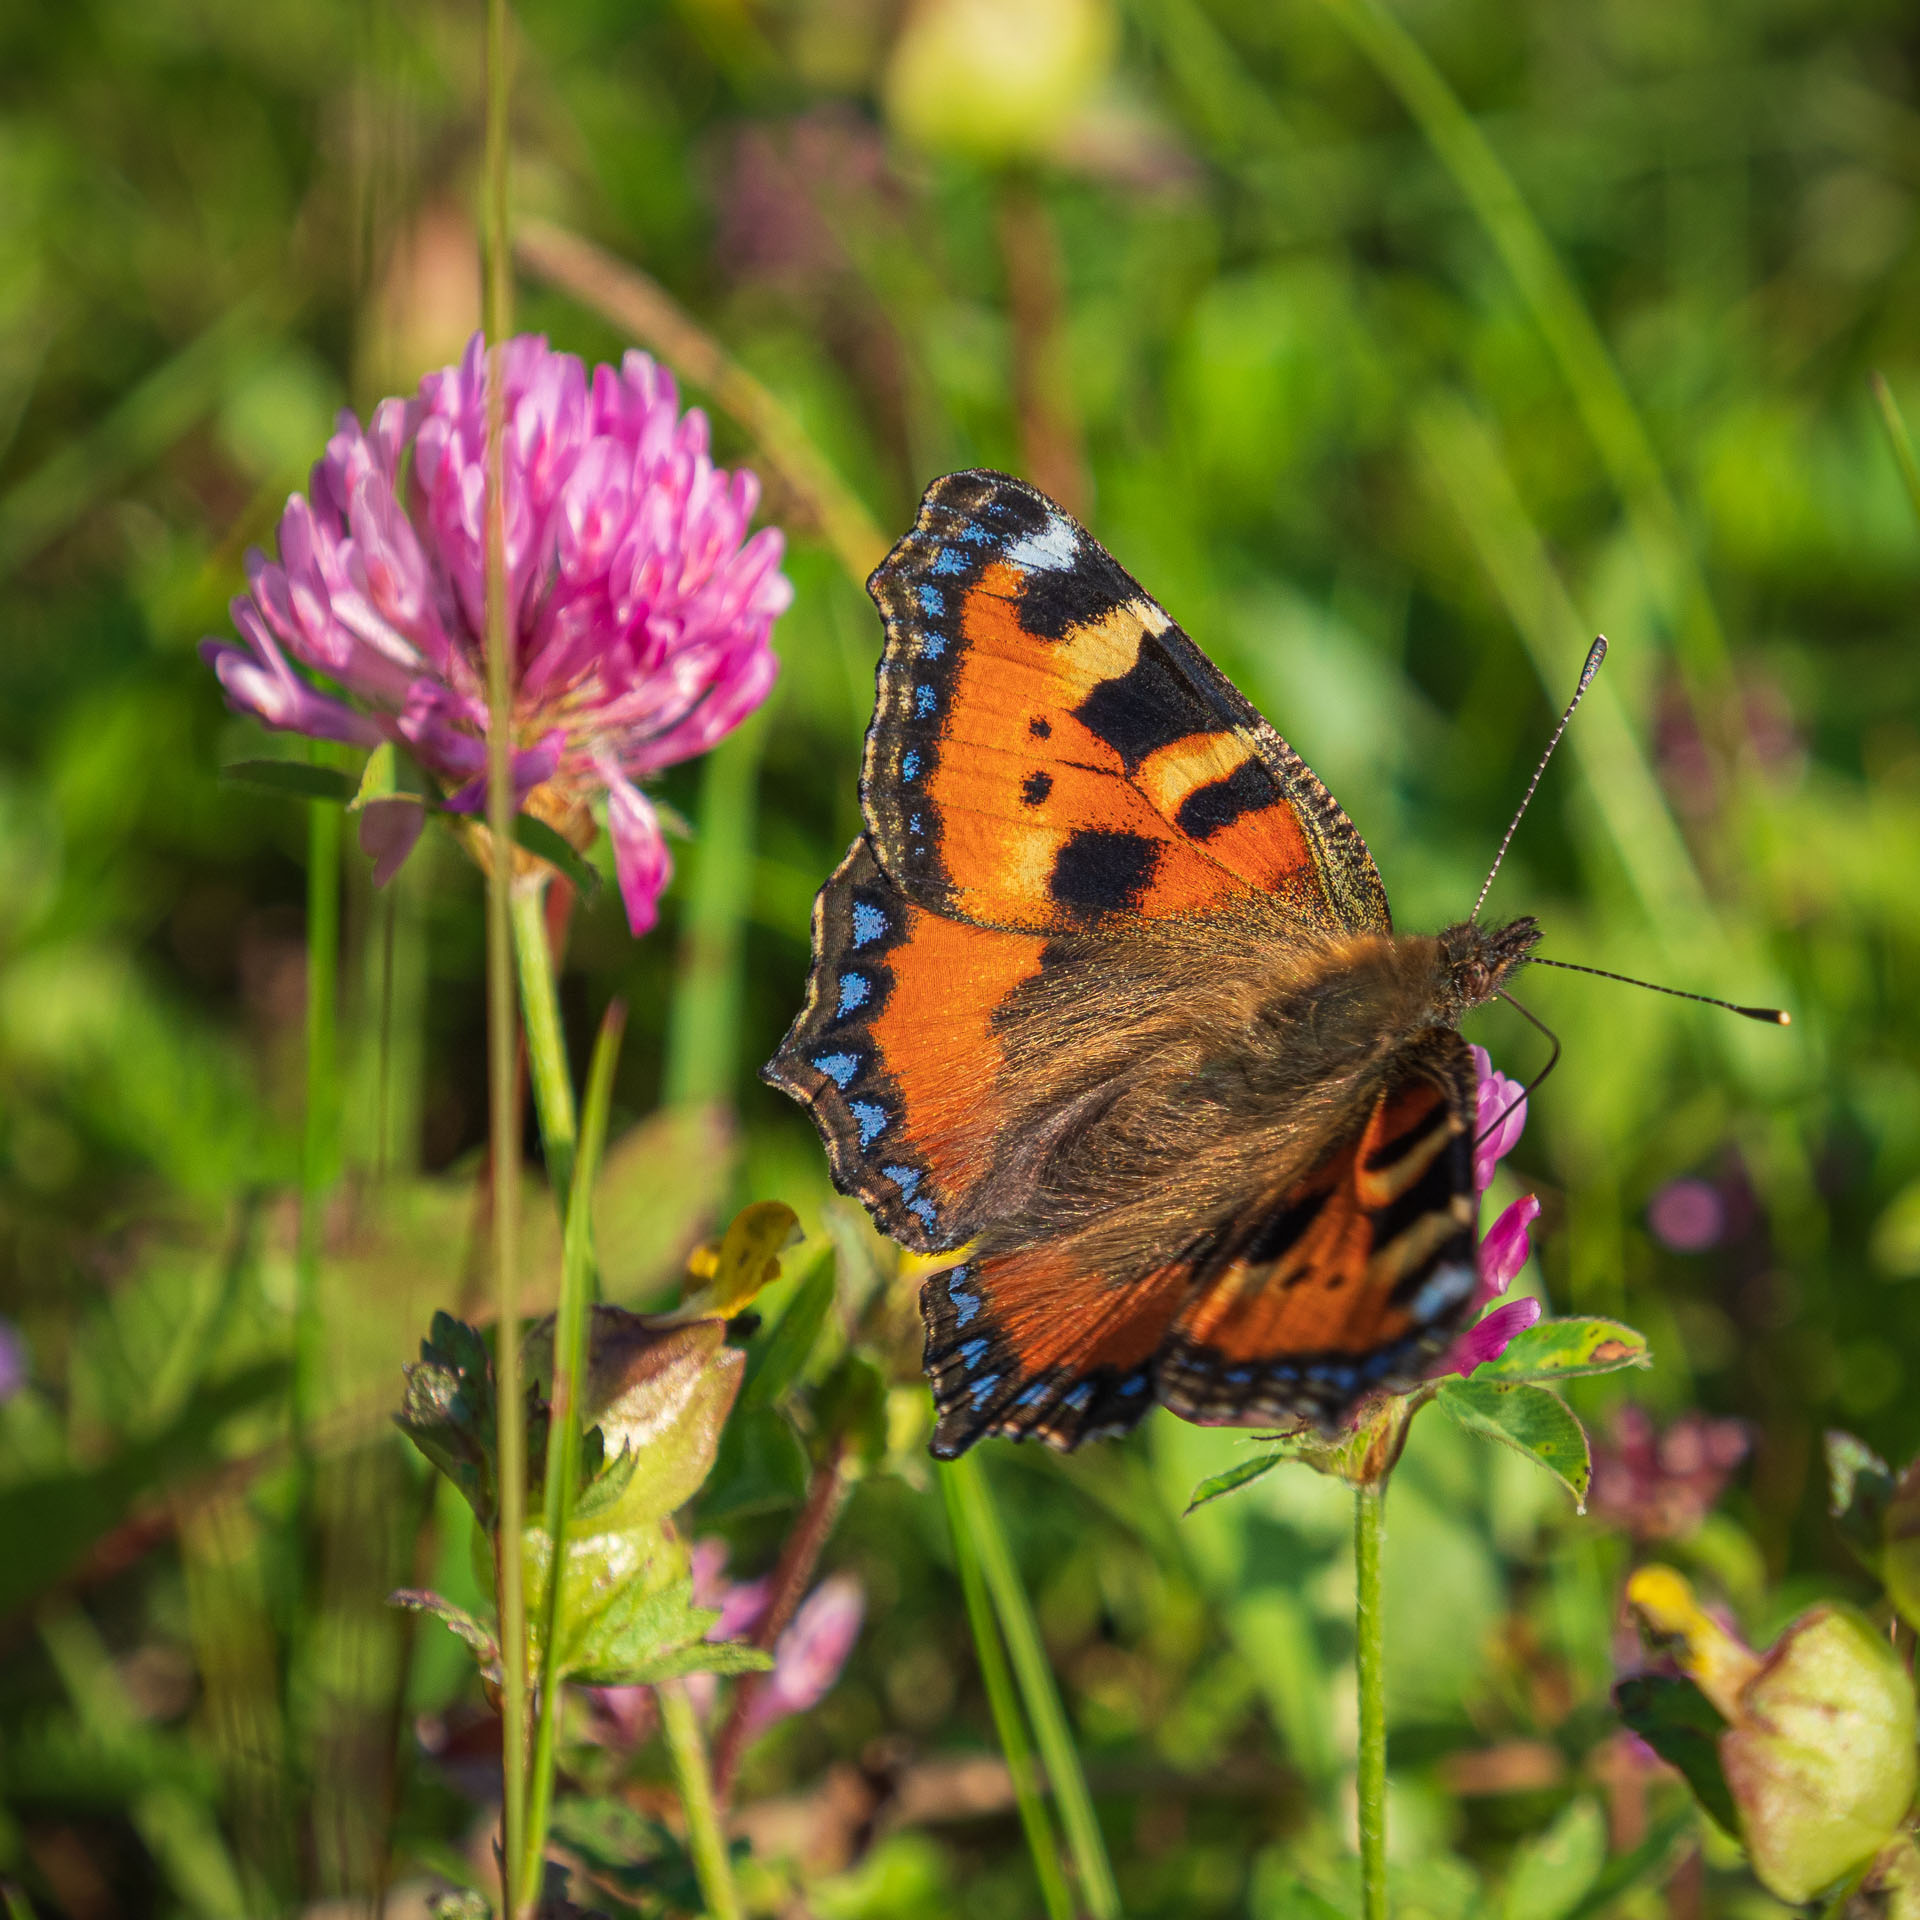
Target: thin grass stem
[
  {"x": 320, "y": 1150},
  {"x": 638, "y": 306},
  {"x": 1898, "y": 438},
  {"x": 1370, "y": 1659},
  {"x": 1004, "y": 1704},
  {"x": 501, "y": 1037},
  {"x": 1600, "y": 395},
  {"x": 546, "y": 1041},
  {"x": 1084, "y": 1842},
  {"x": 564, "y": 1435},
  {"x": 706, "y": 1838}
]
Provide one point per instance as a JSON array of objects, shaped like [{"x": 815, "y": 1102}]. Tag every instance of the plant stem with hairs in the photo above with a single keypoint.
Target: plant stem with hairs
[
  {"x": 1370, "y": 1642},
  {"x": 501, "y": 1036}
]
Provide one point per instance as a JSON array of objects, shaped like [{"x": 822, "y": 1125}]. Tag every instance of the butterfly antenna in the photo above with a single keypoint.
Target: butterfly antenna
[
  {"x": 1773, "y": 1016},
  {"x": 1533, "y": 1085},
  {"x": 1595, "y": 654}
]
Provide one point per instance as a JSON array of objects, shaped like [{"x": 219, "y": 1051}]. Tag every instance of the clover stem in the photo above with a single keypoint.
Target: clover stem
[
  {"x": 706, "y": 1839},
  {"x": 1369, "y": 1535},
  {"x": 546, "y": 1043}
]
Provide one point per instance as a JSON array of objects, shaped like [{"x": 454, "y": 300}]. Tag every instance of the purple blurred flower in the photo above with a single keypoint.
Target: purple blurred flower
[
  {"x": 807, "y": 1657},
  {"x": 1660, "y": 1486},
  {"x": 16, "y": 1364},
  {"x": 640, "y": 609},
  {"x": 1688, "y": 1215},
  {"x": 1506, "y": 1244}
]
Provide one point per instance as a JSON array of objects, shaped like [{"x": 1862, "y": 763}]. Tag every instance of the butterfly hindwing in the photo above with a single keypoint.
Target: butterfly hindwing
[
  {"x": 1354, "y": 1277},
  {"x": 1049, "y": 749},
  {"x": 1030, "y": 1345},
  {"x": 895, "y": 1052}
]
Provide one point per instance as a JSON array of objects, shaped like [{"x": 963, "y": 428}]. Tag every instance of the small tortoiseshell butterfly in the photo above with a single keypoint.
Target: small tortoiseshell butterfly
[{"x": 1109, "y": 988}]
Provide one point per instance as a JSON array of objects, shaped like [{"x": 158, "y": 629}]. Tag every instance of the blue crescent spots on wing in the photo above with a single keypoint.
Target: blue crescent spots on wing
[
  {"x": 925, "y": 699},
  {"x": 907, "y": 1179},
  {"x": 869, "y": 923},
  {"x": 947, "y": 561},
  {"x": 910, "y": 764},
  {"x": 932, "y": 602},
  {"x": 855, "y": 990},
  {"x": 872, "y": 1119},
  {"x": 838, "y": 1067}
]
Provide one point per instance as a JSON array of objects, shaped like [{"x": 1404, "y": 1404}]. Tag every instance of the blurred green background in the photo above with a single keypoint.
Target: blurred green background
[{"x": 1396, "y": 360}]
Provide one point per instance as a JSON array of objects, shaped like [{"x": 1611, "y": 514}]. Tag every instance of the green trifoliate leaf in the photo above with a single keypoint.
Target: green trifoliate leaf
[
  {"x": 1527, "y": 1418},
  {"x": 1565, "y": 1350}
]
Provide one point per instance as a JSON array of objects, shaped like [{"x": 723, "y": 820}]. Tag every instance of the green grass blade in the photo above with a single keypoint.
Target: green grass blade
[
  {"x": 563, "y": 1450},
  {"x": 1004, "y": 1704},
  {"x": 1612, "y": 421},
  {"x": 1055, "y": 1739},
  {"x": 1898, "y": 438}
]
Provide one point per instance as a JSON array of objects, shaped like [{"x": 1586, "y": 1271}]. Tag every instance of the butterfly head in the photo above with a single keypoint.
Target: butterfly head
[{"x": 1478, "y": 960}]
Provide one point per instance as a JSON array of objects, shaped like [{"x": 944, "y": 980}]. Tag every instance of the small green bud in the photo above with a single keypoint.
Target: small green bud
[{"x": 996, "y": 78}]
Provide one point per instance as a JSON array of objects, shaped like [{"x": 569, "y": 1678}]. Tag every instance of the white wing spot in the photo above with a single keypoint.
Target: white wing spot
[
  {"x": 1051, "y": 550},
  {"x": 1447, "y": 1286}
]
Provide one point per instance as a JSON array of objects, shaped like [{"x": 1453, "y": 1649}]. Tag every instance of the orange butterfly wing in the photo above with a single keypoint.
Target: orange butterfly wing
[
  {"x": 895, "y": 1054},
  {"x": 1355, "y": 1277},
  {"x": 1048, "y": 749}
]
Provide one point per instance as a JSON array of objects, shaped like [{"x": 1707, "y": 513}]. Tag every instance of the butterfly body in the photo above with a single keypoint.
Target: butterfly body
[{"x": 1108, "y": 995}]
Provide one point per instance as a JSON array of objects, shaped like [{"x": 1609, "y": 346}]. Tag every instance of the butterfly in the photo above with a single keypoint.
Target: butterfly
[{"x": 1108, "y": 1000}]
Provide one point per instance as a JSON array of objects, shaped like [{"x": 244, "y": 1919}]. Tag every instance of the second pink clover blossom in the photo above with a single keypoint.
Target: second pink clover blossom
[{"x": 639, "y": 605}]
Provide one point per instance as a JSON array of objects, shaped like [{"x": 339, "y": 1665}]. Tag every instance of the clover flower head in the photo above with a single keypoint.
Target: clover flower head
[{"x": 639, "y": 608}]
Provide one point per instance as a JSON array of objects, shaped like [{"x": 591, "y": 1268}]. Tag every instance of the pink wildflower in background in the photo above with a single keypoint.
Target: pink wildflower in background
[
  {"x": 807, "y": 1657},
  {"x": 1505, "y": 1245},
  {"x": 639, "y": 606}
]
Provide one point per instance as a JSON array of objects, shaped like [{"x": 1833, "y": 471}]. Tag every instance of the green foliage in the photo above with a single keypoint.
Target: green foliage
[
  {"x": 1528, "y": 1419},
  {"x": 1333, "y": 386}
]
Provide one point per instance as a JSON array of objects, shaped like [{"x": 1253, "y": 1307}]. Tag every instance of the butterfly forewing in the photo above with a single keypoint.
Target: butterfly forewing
[{"x": 1048, "y": 749}]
